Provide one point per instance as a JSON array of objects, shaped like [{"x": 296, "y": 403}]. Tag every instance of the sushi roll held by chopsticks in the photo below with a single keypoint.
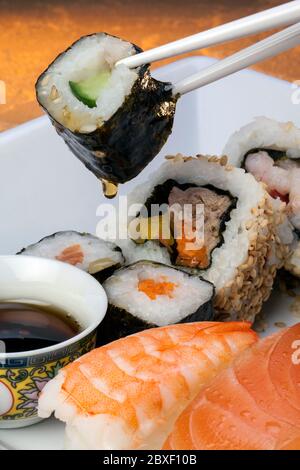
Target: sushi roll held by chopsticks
[{"x": 114, "y": 119}]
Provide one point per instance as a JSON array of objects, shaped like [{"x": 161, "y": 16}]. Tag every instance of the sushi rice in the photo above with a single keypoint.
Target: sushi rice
[
  {"x": 243, "y": 267},
  {"x": 83, "y": 250},
  {"x": 93, "y": 53},
  {"x": 265, "y": 133}
]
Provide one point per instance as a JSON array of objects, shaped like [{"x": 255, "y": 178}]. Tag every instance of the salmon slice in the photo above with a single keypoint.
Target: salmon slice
[
  {"x": 252, "y": 405},
  {"x": 128, "y": 394},
  {"x": 72, "y": 254}
]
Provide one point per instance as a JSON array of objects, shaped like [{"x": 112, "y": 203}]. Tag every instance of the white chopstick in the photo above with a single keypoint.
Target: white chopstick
[
  {"x": 273, "y": 45},
  {"x": 288, "y": 13}
]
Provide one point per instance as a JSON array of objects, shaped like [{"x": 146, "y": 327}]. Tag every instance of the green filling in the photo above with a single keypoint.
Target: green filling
[{"x": 88, "y": 91}]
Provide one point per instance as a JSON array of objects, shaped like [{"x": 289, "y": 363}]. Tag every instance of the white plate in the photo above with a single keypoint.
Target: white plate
[{"x": 45, "y": 189}]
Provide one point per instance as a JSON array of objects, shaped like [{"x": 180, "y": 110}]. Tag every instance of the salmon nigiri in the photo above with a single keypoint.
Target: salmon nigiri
[
  {"x": 128, "y": 394},
  {"x": 252, "y": 405}
]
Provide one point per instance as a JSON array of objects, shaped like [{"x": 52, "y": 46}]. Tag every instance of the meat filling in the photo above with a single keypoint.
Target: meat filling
[{"x": 215, "y": 208}]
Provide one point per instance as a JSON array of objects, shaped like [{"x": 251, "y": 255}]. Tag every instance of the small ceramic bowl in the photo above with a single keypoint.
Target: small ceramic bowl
[{"x": 23, "y": 375}]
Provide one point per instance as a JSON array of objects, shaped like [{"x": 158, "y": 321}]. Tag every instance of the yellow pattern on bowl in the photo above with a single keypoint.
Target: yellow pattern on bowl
[{"x": 24, "y": 374}]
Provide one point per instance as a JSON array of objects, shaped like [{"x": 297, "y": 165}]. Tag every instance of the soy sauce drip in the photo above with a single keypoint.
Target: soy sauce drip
[{"x": 110, "y": 190}]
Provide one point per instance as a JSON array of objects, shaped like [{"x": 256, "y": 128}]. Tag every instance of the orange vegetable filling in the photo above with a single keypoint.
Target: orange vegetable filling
[
  {"x": 197, "y": 257},
  {"x": 72, "y": 255},
  {"x": 152, "y": 288}
]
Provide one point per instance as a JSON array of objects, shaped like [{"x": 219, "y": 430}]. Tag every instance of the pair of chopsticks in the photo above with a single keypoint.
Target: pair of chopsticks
[{"x": 289, "y": 13}]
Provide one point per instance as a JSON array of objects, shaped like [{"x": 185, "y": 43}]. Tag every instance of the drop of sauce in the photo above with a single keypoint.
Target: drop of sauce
[
  {"x": 110, "y": 190},
  {"x": 26, "y": 327}
]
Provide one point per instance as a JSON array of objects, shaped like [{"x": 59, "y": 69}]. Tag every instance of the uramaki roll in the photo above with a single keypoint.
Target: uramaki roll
[
  {"x": 242, "y": 258},
  {"x": 270, "y": 150}
]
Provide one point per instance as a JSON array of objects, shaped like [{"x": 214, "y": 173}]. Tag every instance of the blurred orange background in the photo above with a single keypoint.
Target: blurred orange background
[{"x": 32, "y": 33}]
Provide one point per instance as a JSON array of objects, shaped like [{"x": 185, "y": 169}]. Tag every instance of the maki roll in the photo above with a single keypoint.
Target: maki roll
[
  {"x": 270, "y": 150},
  {"x": 148, "y": 294},
  {"x": 240, "y": 250},
  {"x": 87, "y": 252},
  {"x": 114, "y": 119}
]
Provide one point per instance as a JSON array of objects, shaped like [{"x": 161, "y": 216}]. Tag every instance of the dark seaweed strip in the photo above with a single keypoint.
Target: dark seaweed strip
[
  {"x": 297, "y": 232},
  {"x": 117, "y": 324},
  {"x": 105, "y": 273},
  {"x": 286, "y": 282}
]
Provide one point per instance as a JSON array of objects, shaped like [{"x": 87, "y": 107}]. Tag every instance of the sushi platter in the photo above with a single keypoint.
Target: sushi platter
[{"x": 54, "y": 193}]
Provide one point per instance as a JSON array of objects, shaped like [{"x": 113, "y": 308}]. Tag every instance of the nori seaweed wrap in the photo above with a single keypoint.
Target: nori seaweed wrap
[
  {"x": 114, "y": 119},
  {"x": 100, "y": 258},
  {"x": 147, "y": 294}
]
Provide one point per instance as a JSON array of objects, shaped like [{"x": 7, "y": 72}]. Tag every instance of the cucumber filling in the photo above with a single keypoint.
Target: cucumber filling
[{"x": 88, "y": 91}]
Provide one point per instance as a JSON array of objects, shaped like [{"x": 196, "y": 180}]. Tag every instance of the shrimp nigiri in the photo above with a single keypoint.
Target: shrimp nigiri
[
  {"x": 252, "y": 405},
  {"x": 129, "y": 393}
]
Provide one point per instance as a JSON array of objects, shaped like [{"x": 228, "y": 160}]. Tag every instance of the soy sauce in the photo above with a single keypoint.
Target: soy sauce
[
  {"x": 110, "y": 190},
  {"x": 26, "y": 327}
]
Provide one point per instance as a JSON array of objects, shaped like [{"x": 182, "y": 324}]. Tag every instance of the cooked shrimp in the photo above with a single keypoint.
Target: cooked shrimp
[
  {"x": 261, "y": 165},
  {"x": 128, "y": 394},
  {"x": 281, "y": 180}
]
